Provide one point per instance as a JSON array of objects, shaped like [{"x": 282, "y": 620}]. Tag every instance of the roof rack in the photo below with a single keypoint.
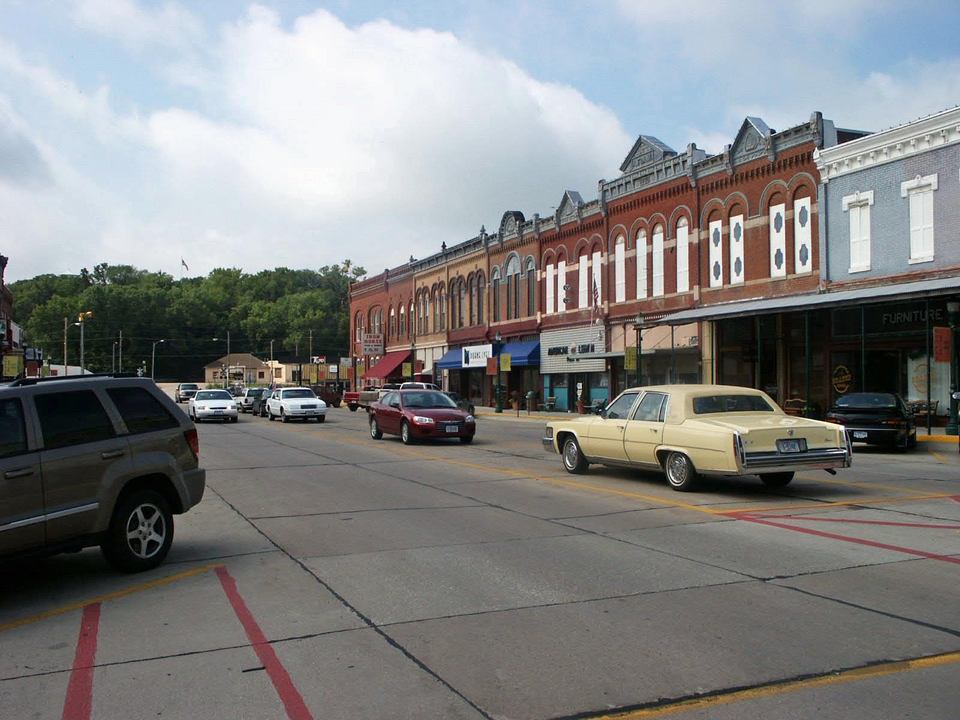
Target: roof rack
[{"x": 55, "y": 378}]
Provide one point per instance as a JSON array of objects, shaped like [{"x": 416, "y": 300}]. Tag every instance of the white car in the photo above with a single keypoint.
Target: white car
[
  {"x": 298, "y": 402},
  {"x": 213, "y": 405}
]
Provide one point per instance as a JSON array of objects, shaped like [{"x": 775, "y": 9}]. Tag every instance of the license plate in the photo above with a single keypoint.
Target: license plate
[
  {"x": 452, "y": 428},
  {"x": 791, "y": 446},
  {"x": 859, "y": 435},
  {"x": 218, "y": 412}
]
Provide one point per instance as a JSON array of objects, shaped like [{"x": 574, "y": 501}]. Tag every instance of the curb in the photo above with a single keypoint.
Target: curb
[{"x": 952, "y": 439}]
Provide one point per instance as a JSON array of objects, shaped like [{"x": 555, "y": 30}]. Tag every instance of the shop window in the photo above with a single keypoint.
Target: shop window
[
  {"x": 658, "y": 261},
  {"x": 778, "y": 241},
  {"x": 683, "y": 256},
  {"x": 619, "y": 271},
  {"x": 641, "y": 264},
  {"x": 857, "y": 207},
  {"x": 919, "y": 192},
  {"x": 550, "y": 287},
  {"x": 715, "y": 254}
]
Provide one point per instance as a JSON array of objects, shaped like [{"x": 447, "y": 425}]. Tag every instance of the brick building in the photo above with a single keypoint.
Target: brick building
[{"x": 699, "y": 260}]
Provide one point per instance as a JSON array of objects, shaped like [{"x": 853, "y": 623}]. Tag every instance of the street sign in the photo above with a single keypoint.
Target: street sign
[
  {"x": 407, "y": 369},
  {"x": 334, "y": 370},
  {"x": 941, "y": 344},
  {"x": 372, "y": 344},
  {"x": 505, "y": 362}
]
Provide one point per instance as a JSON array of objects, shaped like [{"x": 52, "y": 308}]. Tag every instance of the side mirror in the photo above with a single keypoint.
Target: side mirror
[{"x": 395, "y": 405}]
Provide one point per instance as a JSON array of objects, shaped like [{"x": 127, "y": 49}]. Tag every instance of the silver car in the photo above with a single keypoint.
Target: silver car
[{"x": 213, "y": 405}]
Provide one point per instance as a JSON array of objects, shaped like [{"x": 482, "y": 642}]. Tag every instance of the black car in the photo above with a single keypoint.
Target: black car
[
  {"x": 875, "y": 418},
  {"x": 259, "y": 406}
]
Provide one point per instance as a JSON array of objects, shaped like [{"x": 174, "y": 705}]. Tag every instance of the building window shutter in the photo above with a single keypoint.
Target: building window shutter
[
  {"x": 620, "y": 271},
  {"x": 802, "y": 236},
  {"x": 778, "y": 242},
  {"x": 550, "y": 287},
  {"x": 683, "y": 256},
  {"x": 584, "y": 283},
  {"x": 658, "y": 261},
  {"x": 737, "y": 244},
  {"x": 561, "y": 281},
  {"x": 641, "y": 265},
  {"x": 715, "y": 238}
]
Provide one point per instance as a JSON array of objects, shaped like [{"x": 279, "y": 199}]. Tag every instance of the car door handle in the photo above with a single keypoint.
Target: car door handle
[
  {"x": 111, "y": 454},
  {"x": 19, "y": 472},
  {"x": 621, "y": 427}
]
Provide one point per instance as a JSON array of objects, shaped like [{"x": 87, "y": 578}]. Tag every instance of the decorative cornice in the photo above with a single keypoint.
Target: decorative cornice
[{"x": 907, "y": 140}]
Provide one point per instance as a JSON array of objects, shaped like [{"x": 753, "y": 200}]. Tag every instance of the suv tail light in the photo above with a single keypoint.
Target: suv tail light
[{"x": 193, "y": 440}]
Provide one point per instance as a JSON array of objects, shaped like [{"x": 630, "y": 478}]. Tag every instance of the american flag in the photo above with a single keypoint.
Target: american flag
[{"x": 596, "y": 302}]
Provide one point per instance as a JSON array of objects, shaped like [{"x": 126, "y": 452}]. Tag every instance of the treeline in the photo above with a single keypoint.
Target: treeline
[{"x": 282, "y": 305}]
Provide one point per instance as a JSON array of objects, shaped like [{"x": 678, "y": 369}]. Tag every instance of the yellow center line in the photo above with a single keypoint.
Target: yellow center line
[
  {"x": 844, "y": 676},
  {"x": 79, "y": 605}
]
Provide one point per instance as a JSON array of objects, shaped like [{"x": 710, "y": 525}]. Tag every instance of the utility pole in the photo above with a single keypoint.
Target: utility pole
[
  {"x": 120, "y": 352},
  {"x": 271, "y": 351},
  {"x": 311, "y": 343},
  {"x": 65, "y": 371}
]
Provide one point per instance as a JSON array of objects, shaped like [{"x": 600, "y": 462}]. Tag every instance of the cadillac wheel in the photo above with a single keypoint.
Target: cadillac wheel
[
  {"x": 680, "y": 472},
  {"x": 573, "y": 459}
]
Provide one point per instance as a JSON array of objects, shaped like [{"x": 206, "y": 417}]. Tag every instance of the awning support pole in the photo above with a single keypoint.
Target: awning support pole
[
  {"x": 927, "y": 315},
  {"x": 809, "y": 362}
]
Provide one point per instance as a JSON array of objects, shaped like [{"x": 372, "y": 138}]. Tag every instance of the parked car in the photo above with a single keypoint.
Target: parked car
[
  {"x": 366, "y": 397},
  {"x": 461, "y": 402},
  {"x": 213, "y": 405},
  {"x": 292, "y": 403},
  {"x": 259, "y": 406},
  {"x": 692, "y": 430},
  {"x": 418, "y": 415},
  {"x": 94, "y": 460},
  {"x": 418, "y": 386},
  {"x": 246, "y": 398},
  {"x": 185, "y": 391},
  {"x": 875, "y": 418},
  {"x": 330, "y": 393}
]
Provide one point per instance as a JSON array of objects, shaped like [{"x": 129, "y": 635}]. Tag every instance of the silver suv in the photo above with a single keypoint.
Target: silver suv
[{"x": 95, "y": 460}]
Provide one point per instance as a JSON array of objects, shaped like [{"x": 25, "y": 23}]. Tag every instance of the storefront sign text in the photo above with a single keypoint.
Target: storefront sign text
[
  {"x": 842, "y": 378},
  {"x": 476, "y": 356}
]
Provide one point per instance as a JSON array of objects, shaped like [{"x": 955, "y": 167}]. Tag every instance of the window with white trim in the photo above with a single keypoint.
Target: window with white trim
[
  {"x": 561, "y": 282},
  {"x": 584, "y": 288},
  {"x": 550, "y": 288},
  {"x": 919, "y": 192},
  {"x": 658, "y": 261},
  {"x": 857, "y": 206},
  {"x": 683, "y": 256},
  {"x": 641, "y": 264},
  {"x": 619, "y": 271},
  {"x": 596, "y": 291}
]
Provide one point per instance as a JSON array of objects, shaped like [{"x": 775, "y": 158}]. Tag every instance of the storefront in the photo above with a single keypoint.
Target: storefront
[
  {"x": 574, "y": 367},
  {"x": 466, "y": 372},
  {"x": 807, "y": 357}
]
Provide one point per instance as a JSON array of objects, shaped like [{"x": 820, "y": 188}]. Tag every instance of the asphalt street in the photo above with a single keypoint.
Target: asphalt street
[{"x": 329, "y": 575}]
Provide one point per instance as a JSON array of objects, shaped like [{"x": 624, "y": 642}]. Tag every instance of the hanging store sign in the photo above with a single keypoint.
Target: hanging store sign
[
  {"x": 476, "y": 356},
  {"x": 941, "y": 344},
  {"x": 505, "y": 360},
  {"x": 842, "y": 379},
  {"x": 372, "y": 344}
]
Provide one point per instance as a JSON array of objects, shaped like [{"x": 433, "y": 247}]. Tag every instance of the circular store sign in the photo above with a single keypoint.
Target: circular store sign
[{"x": 842, "y": 379}]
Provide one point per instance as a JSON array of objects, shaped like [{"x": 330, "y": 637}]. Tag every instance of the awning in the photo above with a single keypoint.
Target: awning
[
  {"x": 522, "y": 353},
  {"x": 388, "y": 364},
  {"x": 451, "y": 360},
  {"x": 766, "y": 306}
]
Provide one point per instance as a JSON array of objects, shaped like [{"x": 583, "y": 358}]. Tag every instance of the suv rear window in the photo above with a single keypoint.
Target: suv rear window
[
  {"x": 140, "y": 410},
  {"x": 71, "y": 418},
  {"x": 13, "y": 436}
]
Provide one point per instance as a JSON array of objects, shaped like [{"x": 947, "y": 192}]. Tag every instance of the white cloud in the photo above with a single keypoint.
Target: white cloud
[
  {"x": 138, "y": 28},
  {"x": 322, "y": 142}
]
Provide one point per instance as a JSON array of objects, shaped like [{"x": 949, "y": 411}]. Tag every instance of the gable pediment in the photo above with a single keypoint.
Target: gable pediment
[
  {"x": 646, "y": 151},
  {"x": 510, "y": 223},
  {"x": 753, "y": 141},
  {"x": 569, "y": 206}
]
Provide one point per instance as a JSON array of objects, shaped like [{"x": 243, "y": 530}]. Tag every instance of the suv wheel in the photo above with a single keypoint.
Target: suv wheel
[{"x": 140, "y": 532}]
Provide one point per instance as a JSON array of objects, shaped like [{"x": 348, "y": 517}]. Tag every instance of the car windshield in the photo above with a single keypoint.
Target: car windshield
[
  {"x": 706, "y": 404},
  {"x": 255, "y": 393},
  {"x": 188, "y": 386},
  {"x": 426, "y": 399},
  {"x": 214, "y": 395},
  {"x": 288, "y": 394},
  {"x": 867, "y": 401}
]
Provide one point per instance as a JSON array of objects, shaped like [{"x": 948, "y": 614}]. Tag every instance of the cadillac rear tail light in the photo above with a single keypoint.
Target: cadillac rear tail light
[{"x": 193, "y": 440}]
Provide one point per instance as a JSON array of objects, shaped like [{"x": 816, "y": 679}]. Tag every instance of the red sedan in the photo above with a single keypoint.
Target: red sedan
[{"x": 419, "y": 415}]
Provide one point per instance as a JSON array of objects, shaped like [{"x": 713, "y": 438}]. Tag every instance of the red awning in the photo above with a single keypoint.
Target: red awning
[{"x": 388, "y": 365}]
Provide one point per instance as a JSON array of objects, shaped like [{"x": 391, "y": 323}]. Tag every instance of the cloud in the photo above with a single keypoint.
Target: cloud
[
  {"x": 308, "y": 143},
  {"x": 169, "y": 26},
  {"x": 20, "y": 159}
]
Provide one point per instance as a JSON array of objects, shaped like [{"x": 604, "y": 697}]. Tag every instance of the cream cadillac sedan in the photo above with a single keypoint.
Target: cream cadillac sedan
[{"x": 692, "y": 430}]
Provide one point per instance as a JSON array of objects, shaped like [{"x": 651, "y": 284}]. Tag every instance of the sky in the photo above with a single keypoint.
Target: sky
[{"x": 255, "y": 135}]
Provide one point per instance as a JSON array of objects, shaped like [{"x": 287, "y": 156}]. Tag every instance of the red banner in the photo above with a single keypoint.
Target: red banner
[
  {"x": 941, "y": 344},
  {"x": 491, "y": 366}
]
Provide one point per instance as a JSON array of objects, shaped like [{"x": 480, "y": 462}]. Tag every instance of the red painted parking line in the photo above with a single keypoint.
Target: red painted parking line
[
  {"x": 852, "y": 521},
  {"x": 847, "y": 538},
  {"x": 79, "y": 701},
  {"x": 289, "y": 695}
]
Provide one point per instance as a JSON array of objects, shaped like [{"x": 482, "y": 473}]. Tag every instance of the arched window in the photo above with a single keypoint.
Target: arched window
[
  {"x": 619, "y": 269},
  {"x": 358, "y": 327},
  {"x": 472, "y": 290},
  {"x": 461, "y": 303},
  {"x": 481, "y": 295},
  {"x": 563, "y": 296},
  {"x": 513, "y": 287},
  {"x": 658, "y": 261},
  {"x": 393, "y": 323},
  {"x": 641, "y": 264},
  {"x": 437, "y": 302},
  {"x": 495, "y": 289},
  {"x": 410, "y": 315},
  {"x": 584, "y": 280},
  {"x": 531, "y": 287},
  {"x": 403, "y": 318},
  {"x": 683, "y": 256}
]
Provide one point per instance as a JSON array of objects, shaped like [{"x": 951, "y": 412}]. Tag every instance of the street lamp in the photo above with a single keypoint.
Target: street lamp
[
  {"x": 227, "y": 339},
  {"x": 638, "y": 323},
  {"x": 953, "y": 318},
  {"x": 113, "y": 358},
  {"x": 81, "y": 318},
  {"x": 498, "y": 392},
  {"x": 153, "y": 357}
]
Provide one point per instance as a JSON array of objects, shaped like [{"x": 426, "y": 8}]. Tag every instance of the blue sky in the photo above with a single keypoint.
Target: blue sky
[{"x": 301, "y": 133}]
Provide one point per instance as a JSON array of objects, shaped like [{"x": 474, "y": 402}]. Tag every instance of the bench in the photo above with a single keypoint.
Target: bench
[
  {"x": 923, "y": 408},
  {"x": 550, "y": 403}
]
